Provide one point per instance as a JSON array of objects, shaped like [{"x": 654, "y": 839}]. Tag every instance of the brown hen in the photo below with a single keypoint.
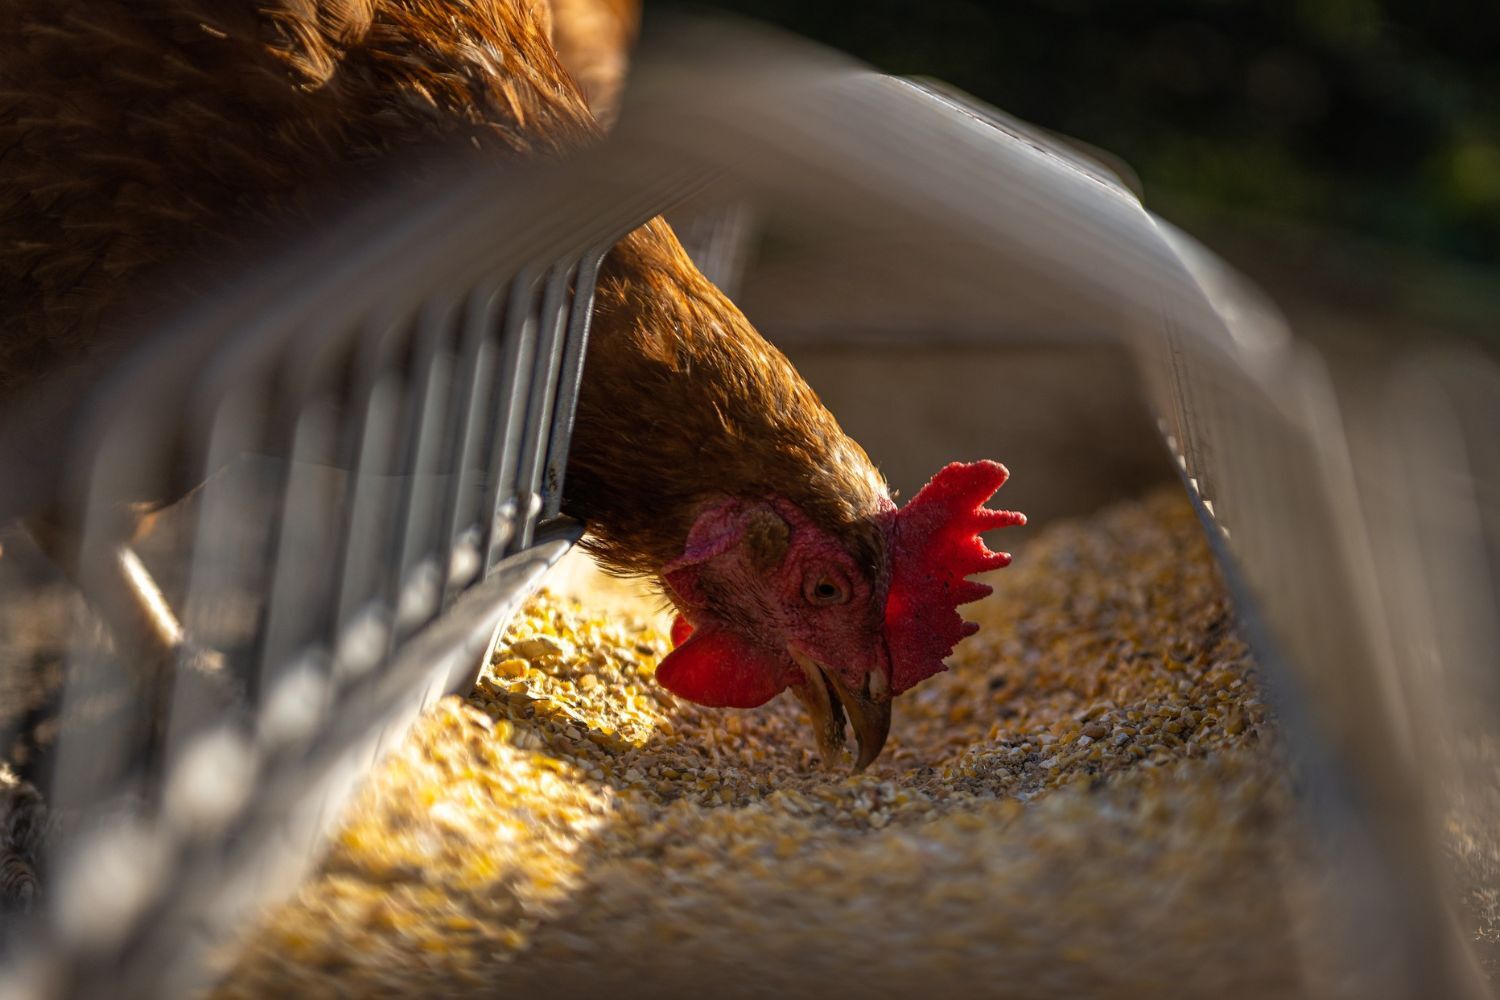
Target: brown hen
[{"x": 136, "y": 135}]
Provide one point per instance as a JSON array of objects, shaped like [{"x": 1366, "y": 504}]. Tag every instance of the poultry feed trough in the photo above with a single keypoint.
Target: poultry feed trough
[{"x": 383, "y": 442}]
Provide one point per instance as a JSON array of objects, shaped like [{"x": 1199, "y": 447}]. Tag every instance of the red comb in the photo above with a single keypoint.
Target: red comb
[{"x": 934, "y": 545}]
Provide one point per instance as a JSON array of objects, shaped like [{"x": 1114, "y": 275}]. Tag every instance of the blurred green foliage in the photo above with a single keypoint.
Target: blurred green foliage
[{"x": 1379, "y": 118}]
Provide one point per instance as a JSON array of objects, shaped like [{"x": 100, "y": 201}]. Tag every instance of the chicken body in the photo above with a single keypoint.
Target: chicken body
[
  {"x": 140, "y": 135},
  {"x": 137, "y": 135}
]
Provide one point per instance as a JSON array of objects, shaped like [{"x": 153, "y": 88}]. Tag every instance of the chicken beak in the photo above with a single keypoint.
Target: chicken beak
[{"x": 829, "y": 701}]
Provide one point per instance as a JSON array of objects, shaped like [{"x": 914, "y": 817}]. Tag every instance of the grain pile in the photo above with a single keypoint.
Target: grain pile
[{"x": 1090, "y": 802}]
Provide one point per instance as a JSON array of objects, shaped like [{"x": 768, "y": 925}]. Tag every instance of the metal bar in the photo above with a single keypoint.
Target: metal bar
[
  {"x": 551, "y": 345},
  {"x": 362, "y": 625},
  {"x": 479, "y": 357},
  {"x": 512, "y": 392},
  {"x": 570, "y": 375},
  {"x": 414, "y": 588}
]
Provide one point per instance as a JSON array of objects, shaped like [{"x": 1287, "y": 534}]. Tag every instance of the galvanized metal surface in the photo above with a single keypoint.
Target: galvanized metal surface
[{"x": 378, "y": 461}]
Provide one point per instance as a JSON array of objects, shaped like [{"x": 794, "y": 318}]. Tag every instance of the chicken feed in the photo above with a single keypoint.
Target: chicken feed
[{"x": 1092, "y": 801}]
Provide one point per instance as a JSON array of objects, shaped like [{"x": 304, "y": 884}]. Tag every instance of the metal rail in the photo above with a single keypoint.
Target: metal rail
[
  {"x": 1356, "y": 506},
  {"x": 383, "y": 460}
]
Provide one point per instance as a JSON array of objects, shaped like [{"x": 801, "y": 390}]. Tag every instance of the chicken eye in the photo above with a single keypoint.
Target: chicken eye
[{"x": 825, "y": 590}]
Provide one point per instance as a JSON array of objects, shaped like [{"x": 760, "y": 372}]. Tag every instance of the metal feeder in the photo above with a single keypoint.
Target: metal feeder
[{"x": 384, "y": 443}]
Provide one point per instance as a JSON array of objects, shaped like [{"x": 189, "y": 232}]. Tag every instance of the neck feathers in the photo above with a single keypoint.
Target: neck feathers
[{"x": 683, "y": 402}]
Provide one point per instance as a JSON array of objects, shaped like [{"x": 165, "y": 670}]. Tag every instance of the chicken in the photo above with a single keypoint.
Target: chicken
[
  {"x": 139, "y": 135},
  {"x": 593, "y": 40},
  {"x": 701, "y": 458}
]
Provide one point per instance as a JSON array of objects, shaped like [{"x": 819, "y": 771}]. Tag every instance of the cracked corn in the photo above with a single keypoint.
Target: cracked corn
[{"x": 1090, "y": 801}]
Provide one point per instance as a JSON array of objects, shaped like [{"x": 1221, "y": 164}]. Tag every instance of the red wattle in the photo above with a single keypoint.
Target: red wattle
[
  {"x": 681, "y": 629},
  {"x": 715, "y": 668}
]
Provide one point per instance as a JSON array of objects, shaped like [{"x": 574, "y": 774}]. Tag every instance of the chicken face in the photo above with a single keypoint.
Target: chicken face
[{"x": 770, "y": 600}]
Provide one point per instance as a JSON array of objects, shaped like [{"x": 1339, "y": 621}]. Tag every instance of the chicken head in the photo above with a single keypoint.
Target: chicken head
[{"x": 770, "y": 600}]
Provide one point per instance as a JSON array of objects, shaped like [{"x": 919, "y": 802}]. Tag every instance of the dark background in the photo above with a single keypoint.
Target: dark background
[{"x": 1346, "y": 153}]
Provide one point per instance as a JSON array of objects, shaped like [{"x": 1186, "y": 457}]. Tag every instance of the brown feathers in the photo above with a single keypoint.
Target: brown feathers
[
  {"x": 594, "y": 38},
  {"x": 683, "y": 402},
  {"x": 136, "y": 135}
]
